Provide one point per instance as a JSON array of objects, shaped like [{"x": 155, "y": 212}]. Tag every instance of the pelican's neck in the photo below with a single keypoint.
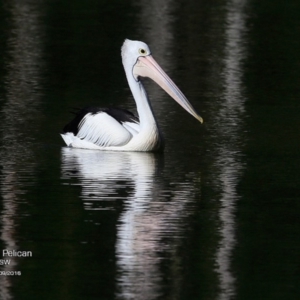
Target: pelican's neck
[{"x": 146, "y": 116}]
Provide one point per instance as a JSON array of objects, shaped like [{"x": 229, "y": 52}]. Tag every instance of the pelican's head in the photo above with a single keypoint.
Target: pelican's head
[
  {"x": 136, "y": 57},
  {"x": 132, "y": 50}
]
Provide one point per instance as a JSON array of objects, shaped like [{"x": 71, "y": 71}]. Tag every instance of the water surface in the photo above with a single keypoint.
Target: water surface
[{"x": 213, "y": 217}]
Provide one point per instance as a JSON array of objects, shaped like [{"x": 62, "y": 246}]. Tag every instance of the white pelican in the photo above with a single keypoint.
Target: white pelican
[{"x": 118, "y": 129}]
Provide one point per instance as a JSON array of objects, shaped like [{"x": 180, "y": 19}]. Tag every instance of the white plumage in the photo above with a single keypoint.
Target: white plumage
[
  {"x": 103, "y": 130},
  {"x": 118, "y": 129}
]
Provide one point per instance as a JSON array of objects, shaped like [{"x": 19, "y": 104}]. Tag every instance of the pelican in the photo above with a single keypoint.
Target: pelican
[{"x": 118, "y": 129}]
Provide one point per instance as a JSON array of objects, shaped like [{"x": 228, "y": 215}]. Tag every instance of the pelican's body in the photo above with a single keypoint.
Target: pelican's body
[{"x": 117, "y": 129}]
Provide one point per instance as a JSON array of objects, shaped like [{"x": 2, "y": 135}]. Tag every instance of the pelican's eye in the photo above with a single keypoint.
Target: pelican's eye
[{"x": 142, "y": 51}]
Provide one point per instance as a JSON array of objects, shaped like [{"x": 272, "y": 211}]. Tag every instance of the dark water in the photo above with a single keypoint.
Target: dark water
[{"x": 214, "y": 217}]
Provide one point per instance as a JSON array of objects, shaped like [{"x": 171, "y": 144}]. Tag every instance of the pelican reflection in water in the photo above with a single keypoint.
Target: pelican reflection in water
[{"x": 154, "y": 211}]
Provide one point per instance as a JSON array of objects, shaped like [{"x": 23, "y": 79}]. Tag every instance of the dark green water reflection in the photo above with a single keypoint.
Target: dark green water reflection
[{"x": 214, "y": 217}]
